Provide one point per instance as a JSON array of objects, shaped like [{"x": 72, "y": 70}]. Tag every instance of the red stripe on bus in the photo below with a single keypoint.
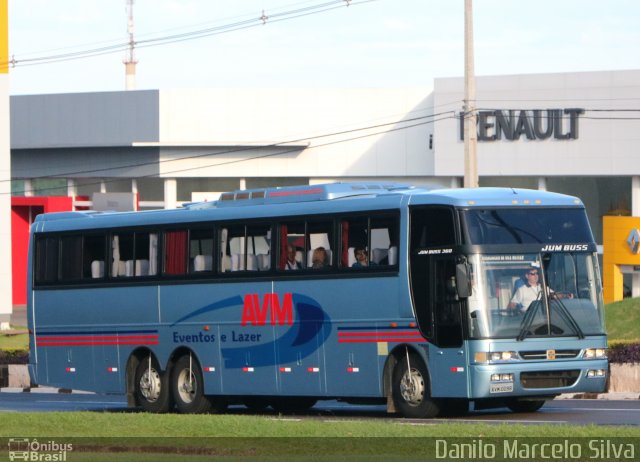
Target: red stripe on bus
[
  {"x": 101, "y": 337},
  {"x": 369, "y": 334},
  {"x": 377, "y": 340},
  {"x": 130, "y": 342}
]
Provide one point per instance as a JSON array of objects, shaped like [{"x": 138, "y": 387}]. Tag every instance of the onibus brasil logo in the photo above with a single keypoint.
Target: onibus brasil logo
[{"x": 34, "y": 450}]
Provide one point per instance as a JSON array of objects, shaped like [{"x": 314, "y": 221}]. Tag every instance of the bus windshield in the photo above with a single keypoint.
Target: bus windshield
[
  {"x": 526, "y": 226},
  {"x": 535, "y": 295}
]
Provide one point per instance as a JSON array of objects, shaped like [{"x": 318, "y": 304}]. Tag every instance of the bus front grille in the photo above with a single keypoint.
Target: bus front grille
[
  {"x": 549, "y": 379},
  {"x": 542, "y": 354}
]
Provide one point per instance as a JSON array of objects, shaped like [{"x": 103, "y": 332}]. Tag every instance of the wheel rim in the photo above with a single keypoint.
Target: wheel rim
[
  {"x": 150, "y": 385},
  {"x": 412, "y": 387},
  {"x": 187, "y": 386}
]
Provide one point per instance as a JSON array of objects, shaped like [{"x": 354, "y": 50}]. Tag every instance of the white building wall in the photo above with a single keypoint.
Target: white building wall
[
  {"x": 319, "y": 132},
  {"x": 6, "y": 287},
  {"x": 606, "y": 145}
]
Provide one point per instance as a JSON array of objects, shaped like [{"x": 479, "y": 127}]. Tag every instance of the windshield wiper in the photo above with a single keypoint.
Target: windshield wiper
[
  {"x": 528, "y": 317},
  {"x": 568, "y": 318}
]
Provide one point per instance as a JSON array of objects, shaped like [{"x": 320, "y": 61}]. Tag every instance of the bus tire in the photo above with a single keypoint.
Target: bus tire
[
  {"x": 411, "y": 389},
  {"x": 152, "y": 386},
  {"x": 525, "y": 406},
  {"x": 187, "y": 387}
]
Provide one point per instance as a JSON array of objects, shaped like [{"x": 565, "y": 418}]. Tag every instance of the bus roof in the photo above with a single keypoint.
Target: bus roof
[{"x": 315, "y": 197}]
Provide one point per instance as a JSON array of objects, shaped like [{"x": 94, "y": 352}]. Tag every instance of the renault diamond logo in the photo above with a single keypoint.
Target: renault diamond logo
[{"x": 633, "y": 241}]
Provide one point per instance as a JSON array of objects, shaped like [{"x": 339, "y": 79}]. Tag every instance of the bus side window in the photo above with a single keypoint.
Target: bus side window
[
  {"x": 319, "y": 238},
  {"x": 377, "y": 236},
  {"x": 201, "y": 250},
  {"x": 71, "y": 258},
  {"x": 250, "y": 247},
  {"x": 258, "y": 247},
  {"x": 46, "y": 260},
  {"x": 93, "y": 256},
  {"x": 292, "y": 236}
]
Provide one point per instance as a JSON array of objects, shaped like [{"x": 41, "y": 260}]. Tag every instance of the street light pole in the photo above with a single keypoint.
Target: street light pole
[{"x": 469, "y": 114}]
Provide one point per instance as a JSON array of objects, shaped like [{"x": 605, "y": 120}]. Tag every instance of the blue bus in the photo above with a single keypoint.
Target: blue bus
[{"x": 428, "y": 301}]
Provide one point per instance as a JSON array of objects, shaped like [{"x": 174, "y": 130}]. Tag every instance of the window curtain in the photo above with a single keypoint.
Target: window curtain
[
  {"x": 345, "y": 244},
  {"x": 153, "y": 254},
  {"x": 115, "y": 252},
  {"x": 283, "y": 247},
  {"x": 175, "y": 252}
]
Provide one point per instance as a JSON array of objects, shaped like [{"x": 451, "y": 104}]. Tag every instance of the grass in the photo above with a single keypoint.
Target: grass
[
  {"x": 623, "y": 320},
  {"x": 145, "y": 425},
  {"x": 136, "y": 436},
  {"x": 13, "y": 342}
]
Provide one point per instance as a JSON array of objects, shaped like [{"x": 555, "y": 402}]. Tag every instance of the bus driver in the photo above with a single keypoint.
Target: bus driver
[{"x": 530, "y": 291}]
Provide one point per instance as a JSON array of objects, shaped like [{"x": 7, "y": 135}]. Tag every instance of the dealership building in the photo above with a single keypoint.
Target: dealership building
[{"x": 574, "y": 133}]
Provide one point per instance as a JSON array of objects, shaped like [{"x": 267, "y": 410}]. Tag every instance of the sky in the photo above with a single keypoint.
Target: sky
[{"x": 378, "y": 43}]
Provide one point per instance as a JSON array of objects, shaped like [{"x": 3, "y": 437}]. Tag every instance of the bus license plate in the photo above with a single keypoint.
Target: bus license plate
[{"x": 501, "y": 388}]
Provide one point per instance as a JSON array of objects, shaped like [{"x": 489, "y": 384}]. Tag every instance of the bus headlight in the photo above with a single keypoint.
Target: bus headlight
[
  {"x": 593, "y": 353},
  {"x": 596, "y": 373},
  {"x": 495, "y": 356}
]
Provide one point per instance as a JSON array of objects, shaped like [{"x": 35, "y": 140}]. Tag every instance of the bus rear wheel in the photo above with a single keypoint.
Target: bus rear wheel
[
  {"x": 411, "y": 389},
  {"x": 152, "y": 386},
  {"x": 187, "y": 388}
]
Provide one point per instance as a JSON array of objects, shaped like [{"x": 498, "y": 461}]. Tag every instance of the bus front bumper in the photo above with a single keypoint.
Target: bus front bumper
[{"x": 544, "y": 378}]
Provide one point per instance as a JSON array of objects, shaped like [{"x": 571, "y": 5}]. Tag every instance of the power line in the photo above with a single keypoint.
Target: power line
[{"x": 317, "y": 8}]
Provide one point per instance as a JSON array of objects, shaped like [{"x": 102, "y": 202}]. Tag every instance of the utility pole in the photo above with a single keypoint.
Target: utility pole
[
  {"x": 469, "y": 107},
  {"x": 130, "y": 62}
]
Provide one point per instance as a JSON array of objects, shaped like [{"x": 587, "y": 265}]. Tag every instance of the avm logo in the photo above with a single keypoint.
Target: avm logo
[{"x": 256, "y": 313}]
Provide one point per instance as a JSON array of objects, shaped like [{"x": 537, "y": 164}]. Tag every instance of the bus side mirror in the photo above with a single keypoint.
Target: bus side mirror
[{"x": 463, "y": 282}]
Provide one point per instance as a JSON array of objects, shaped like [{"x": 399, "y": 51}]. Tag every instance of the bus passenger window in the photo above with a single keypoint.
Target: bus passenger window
[
  {"x": 249, "y": 247},
  {"x": 258, "y": 248},
  {"x": 292, "y": 246},
  {"x": 93, "y": 256},
  {"x": 71, "y": 258},
  {"x": 134, "y": 255},
  {"x": 319, "y": 238},
  {"x": 369, "y": 241},
  {"x": 46, "y": 264},
  {"x": 201, "y": 250}
]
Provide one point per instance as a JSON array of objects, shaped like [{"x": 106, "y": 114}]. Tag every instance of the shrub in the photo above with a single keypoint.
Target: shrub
[
  {"x": 624, "y": 352},
  {"x": 14, "y": 356}
]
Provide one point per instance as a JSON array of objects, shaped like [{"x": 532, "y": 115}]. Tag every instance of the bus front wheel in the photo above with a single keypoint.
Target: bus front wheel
[
  {"x": 152, "y": 387},
  {"x": 411, "y": 389}
]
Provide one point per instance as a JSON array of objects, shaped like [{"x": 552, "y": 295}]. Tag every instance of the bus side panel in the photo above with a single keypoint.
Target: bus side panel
[
  {"x": 237, "y": 352},
  {"x": 346, "y": 347},
  {"x": 80, "y": 332}
]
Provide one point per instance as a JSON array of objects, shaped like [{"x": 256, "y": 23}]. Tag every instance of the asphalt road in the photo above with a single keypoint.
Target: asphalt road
[{"x": 565, "y": 411}]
